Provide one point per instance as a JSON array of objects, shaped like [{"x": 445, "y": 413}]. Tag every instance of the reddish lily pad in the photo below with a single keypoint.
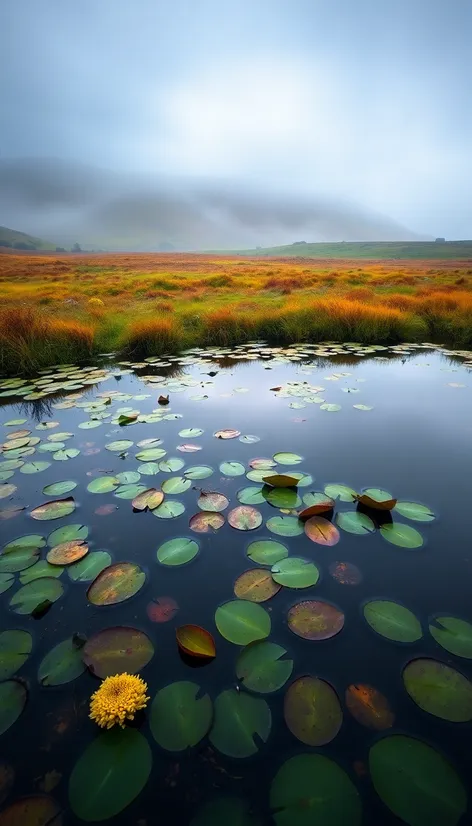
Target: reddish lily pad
[
  {"x": 321, "y": 531},
  {"x": 312, "y": 711},
  {"x": 117, "y": 650},
  {"x": 32, "y": 810},
  {"x": 227, "y": 434},
  {"x": 244, "y": 518},
  {"x": 210, "y": 500},
  {"x": 345, "y": 573},
  {"x": 256, "y": 585},
  {"x": 116, "y": 583},
  {"x": 162, "y": 609},
  {"x": 206, "y": 522},
  {"x": 369, "y": 707},
  {"x": 315, "y": 620}
]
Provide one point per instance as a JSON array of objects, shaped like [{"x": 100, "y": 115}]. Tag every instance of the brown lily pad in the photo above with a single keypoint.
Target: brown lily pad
[
  {"x": 148, "y": 500},
  {"x": 369, "y": 707},
  {"x": 67, "y": 552},
  {"x": 256, "y": 585},
  {"x": 117, "y": 650},
  {"x": 312, "y": 711},
  {"x": 206, "y": 522},
  {"x": 321, "y": 531},
  {"x": 315, "y": 620},
  {"x": 116, "y": 583}
]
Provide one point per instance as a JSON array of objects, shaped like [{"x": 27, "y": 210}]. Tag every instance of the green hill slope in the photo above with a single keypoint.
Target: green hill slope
[
  {"x": 11, "y": 238},
  {"x": 370, "y": 249}
]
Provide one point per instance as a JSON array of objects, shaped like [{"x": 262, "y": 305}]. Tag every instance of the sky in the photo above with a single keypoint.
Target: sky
[{"x": 363, "y": 104}]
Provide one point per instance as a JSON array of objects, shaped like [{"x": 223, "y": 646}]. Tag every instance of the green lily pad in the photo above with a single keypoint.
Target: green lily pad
[
  {"x": 295, "y": 572},
  {"x": 128, "y": 477},
  {"x": 191, "y": 432},
  {"x": 67, "y": 534},
  {"x": 13, "y": 696},
  {"x": 312, "y": 711},
  {"x": 88, "y": 568},
  {"x": 239, "y": 719},
  {"x": 152, "y": 454},
  {"x": 287, "y": 458},
  {"x": 198, "y": 472},
  {"x": 171, "y": 465},
  {"x": 393, "y": 621},
  {"x": 241, "y": 621},
  {"x": 169, "y": 509},
  {"x": 55, "y": 509},
  {"x": 244, "y": 518},
  {"x": 117, "y": 650},
  {"x": 454, "y": 634},
  {"x": 64, "y": 455},
  {"x": 7, "y": 490},
  {"x": 15, "y": 648},
  {"x": 355, "y": 522},
  {"x": 129, "y": 491},
  {"x": 40, "y": 570},
  {"x": 310, "y": 789},
  {"x": 232, "y": 469},
  {"x": 260, "y": 667},
  {"x": 362, "y": 407},
  {"x": 113, "y": 770},
  {"x": 281, "y": 497},
  {"x": 149, "y": 469},
  {"x": 416, "y": 782},
  {"x": 285, "y": 525},
  {"x": 176, "y": 485},
  {"x": 6, "y": 582},
  {"x": 414, "y": 511},
  {"x": 59, "y": 488},
  {"x": 36, "y": 593},
  {"x": 439, "y": 689},
  {"x": 63, "y": 663},
  {"x": 331, "y": 408},
  {"x": 119, "y": 446},
  {"x": 251, "y": 495},
  {"x": 404, "y": 536},
  {"x": 114, "y": 584},
  {"x": 21, "y": 553},
  {"x": 177, "y": 551},
  {"x": 266, "y": 552},
  {"x": 210, "y": 500},
  {"x": 34, "y": 467},
  {"x": 51, "y": 447},
  {"x": 103, "y": 484},
  {"x": 179, "y": 717}
]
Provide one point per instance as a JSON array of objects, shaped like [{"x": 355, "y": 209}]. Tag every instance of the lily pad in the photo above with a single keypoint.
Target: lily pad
[
  {"x": 171, "y": 465},
  {"x": 54, "y": 510},
  {"x": 439, "y": 689},
  {"x": 177, "y": 551},
  {"x": 312, "y": 711},
  {"x": 15, "y": 648},
  {"x": 241, "y": 621},
  {"x": 281, "y": 497},
  {"x": 117, "y": 650},
  {"x": 228, "y": 810},
  {"x": 65, "y": 455},
  {"x": 34, "y": 595},
  {"x": 287, "y": 458},
  {"x": 232, "y": 469},
  {"x": 285, "y": 525},
  {"x": 310, "y": 789},
  {"x": 59, "y": 488},
  {"x": 295, "y": 572},
  {"x": 239, "y": 719},
  {"x": 369, "y": 707},
  {"x": 176, "y": 485},
  {"x": 414, "y": 511},
  {"x": 34, "y": 467},
  {"x": 393, "y": 621},
  {"x": 416, "y": 782},
  {"x": 404, "y": 536},
  {"x": 206, "y": 522},
  {"x": 149, "y": 469},
  {"x": 120, "y": 446},
  {"x": 454, "y": 634},
  {"x": 227, "y": 434},
  {"x": 355, "y": 522},
  {"x": 7, "y": 490},
  {"x": 198, "y": 472},
  {"x": 148, "y": 500},
  {"x": 266, "y": 551},
  {"x": 317, "y": 502},
  {"x": 244, "y": 518},
  {"x": 191, "y": 432},
  {"x": 331, "y": 408},
  {"x": 251, "y": 495},
  {"x": 256, "y": 585},
  {"x": 88, "y": 568},
  {"x": 321, "y": 531},
  {"x": 180, "y": 716},
  {"x": 40, "y": 570},
  {"x": 260, "y": 667},
  {"x": 315, "y": 620},
  {"x": 63, "y": 663},
  {"x": 377, "y": 499},
  {"x": 346, "y": 573},
  {"x": 152, "y": 454},
  {"x": 169, "y": 509},
  {"x": 67, "y": 533},
  {"x": 116, "y": 583},
  {"x": 129, "y": 491},
  {"x": 13, "y": 696},
  {"x": 210, "y": 500},
  {"x": 195, "y": 642},
  {"x": 21, "y": 553},
  {"x": 6, "y": 582},
  {"x": 128, "y": 477},
  {"x": 103, "y": 484},
  {"x": 67, "y": 552},
  {"x": 113, "y": 769}
]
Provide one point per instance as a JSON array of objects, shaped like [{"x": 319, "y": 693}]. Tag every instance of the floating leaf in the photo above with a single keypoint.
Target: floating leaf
[
  {"x": 63, "y": 663},
  {"x": 67, "y": 552},
  {"x": 321, "y": 531},
  {"x": 251, "y": 496},
  {"x": 287, "y": 458},
  {"x": 256, "y": 585},
  {"x": 116, "y": 583},
  {"x": 67, "y": 533},
  {"x": 7, "y": 490},
  {"x": 439, "y": 689},
  {"x": 210, "y": 500},
  {"x": 162, "y": 609},
  {"x": 103, "y": 484},
  {"x": 239, "y": 719},
  {"x": 129, "y": 491},
  {"x": 242, "y": 622},
  {"x": 171, "y": 465},
  {"x": 179, "y": 718},
  {"x": 312, "y": 789},
  {"x": 266, "y": 551},
  {"x": 281, "y": 497},
  {"x": 13, "y": 696},
  {"x": 294, "y": 572},
  {"x": 244, "y": 518},
  {"x": 414, "y": 511},
  {"x": 315, "y": 620},
  {"x": 393, "y": 621},
  {"x": 40, "y": 570},
  {"x": 64, "y": 455},
  {"x": 285, "y": 525},
  {"x": 227, "y": 434},
  {"x": 117, "y": 650},
  {"x": 189, "y": 448},
  {"x": 454, "y": 634},
  {"x": 148, "y": 500},
  {"x": 54, "y": 510},
  {"x": 113, "y": 770},
  {"x": 355, "y": 522},
  {"x": 89, "y": 567},
  {"x": 312, "y": 711},
  {"x": 195, "y": 641},
  {"x": 331, "y": 408},
  {"x": 6, "y": 582},
  {"x": 149, "y": 469},
  {"x": 128, "y": 477},
  {"x": 21, "y": 553},
  {"x": 416, "y": 782},
  {"x": 206, "y": 522},
  {"x": 280, "y": 480},
  {"x": 169, "y": 509},
  {"x": 58, "y": 488},
  {"x": 190, "y": 432},
  {"x": 263, "y": 464},
  {"x": 345, "y": 573},
  {"x": 15, "y": 648},
  {"x": 260, "y": 667},
  {"x": 34, "y": 467},
  {"x": 152, "y": 454},
  {"x": 228, "y": 810},
  {"x": 369, "y": 707},
  {"x": 404, "y": 536},
  {"x": 34, "y": 595},
  {"x": 362, "y": 407},
  {"x": 317, "y": 502},
  {"x": 33, "y": 810},
  {"x": 377, "y": 499},
  {"x": 119, "y": 446},
  {"x": 177, "y": 551},
  {"x": 232, "y": 469},
  {"x": 198, "y": 472}
]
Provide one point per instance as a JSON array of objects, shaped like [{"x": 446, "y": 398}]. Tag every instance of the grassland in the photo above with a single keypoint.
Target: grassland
[
  {"x": 62, "y": 308},
  {"x": 374, "y": 250}
]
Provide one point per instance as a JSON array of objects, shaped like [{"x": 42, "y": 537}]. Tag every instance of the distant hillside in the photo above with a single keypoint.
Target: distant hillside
[
  {"x": 12, "y": 238},
  {"x": 370, "y": 249}
]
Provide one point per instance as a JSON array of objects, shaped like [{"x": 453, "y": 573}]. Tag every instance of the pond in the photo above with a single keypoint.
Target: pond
[{"x": 294, "y": 590}]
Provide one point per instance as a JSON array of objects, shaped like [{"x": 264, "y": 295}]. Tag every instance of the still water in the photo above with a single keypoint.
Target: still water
[{"x": 411, "y": 438}]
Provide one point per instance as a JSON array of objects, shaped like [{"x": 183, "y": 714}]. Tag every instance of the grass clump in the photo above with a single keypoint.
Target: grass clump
[
  {"x": 153, "y": 336},
  {"x": 29, "y": 339}
]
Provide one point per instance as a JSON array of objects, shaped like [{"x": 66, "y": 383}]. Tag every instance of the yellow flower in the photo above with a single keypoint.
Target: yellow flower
[{"x": 117, "y": 700}]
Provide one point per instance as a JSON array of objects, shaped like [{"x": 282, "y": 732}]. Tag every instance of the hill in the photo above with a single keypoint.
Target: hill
[
  {"x": 12, "y": 238},
  {"x": 419, "y": 250}
]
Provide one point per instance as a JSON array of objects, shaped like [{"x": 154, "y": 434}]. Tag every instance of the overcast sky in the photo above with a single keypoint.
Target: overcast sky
[{"x": 366, "y": 101}]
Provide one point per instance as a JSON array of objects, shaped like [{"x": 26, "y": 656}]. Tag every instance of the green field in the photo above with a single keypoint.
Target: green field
[
  {"x": 10, "y": 237},
  {"x": 380, "y": 250}
]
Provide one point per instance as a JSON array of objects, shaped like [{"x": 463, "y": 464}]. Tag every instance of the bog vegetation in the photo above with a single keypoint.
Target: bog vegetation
[{"x": 65, "y": 308}]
